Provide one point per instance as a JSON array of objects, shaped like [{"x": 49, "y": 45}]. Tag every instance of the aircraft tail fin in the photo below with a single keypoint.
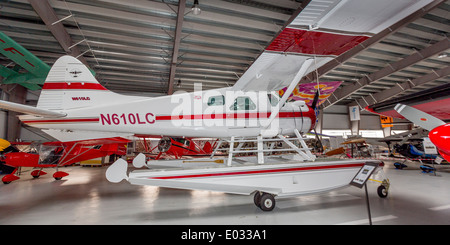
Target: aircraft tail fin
[{"x": 71, "y": 85}]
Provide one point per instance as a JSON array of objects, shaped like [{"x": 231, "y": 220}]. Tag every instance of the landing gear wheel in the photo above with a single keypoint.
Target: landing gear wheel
[
  {"x": 267, "y": 202},
  {"x": 382, "y": 191},
  {"x": 399, "y": 165},
  {"x": 59, "y": 175},
  {"x": 257, "y": 199}
]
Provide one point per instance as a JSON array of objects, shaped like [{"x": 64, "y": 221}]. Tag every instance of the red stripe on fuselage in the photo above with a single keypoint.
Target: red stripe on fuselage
[
  {"x": 72, "y": 85},
  {"x": 314, "y": 42},
  {"x": 309, "y": 114},
  {"x": 266, "y": 171}
]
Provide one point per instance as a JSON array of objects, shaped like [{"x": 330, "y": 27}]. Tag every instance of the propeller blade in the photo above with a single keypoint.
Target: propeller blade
[
  {"x": 315, "y": 100},
  {"x": 419, "y": 117}
]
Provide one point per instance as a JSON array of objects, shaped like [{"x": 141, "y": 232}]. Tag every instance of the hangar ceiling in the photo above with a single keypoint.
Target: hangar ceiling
[{"x": 146, "y": 47}]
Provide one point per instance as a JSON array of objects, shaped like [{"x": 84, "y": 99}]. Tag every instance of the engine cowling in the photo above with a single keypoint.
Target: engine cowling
[{"x": 164, "y": 144}]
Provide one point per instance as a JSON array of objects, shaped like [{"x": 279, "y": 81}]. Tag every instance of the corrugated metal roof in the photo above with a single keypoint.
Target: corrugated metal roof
[{"x": 130, "y": 44}]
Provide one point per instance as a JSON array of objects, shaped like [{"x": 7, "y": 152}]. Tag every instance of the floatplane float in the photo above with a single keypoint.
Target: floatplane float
[{"x": 283, "y": 175}]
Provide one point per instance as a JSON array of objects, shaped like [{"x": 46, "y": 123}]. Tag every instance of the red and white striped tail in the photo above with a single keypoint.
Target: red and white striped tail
[{"x": 71, "y": 85}]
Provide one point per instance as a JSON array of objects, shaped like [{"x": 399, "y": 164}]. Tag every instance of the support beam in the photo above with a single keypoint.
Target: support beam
[
  {"x": 48, "y": 15},
  {"x": 404, "y": 86},
  {"x": 176, "y": 45},
  {"x": 387, "y": 131},
  {"x": 371, "y": 41},
  {"x": 416, "y": 57},
  {"x": 230, "y": 152},
  {"x": 260, "y": 150},
  {"x": 354, "y": 127},
  {"x": 319, "y": 124}
]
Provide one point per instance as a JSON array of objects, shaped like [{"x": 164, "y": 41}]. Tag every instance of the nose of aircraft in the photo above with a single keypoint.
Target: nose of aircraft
[
  {"x": 13, "y": 158},
  {"x": 312, "y": 116},
  {"x": 440, "y": 136}
]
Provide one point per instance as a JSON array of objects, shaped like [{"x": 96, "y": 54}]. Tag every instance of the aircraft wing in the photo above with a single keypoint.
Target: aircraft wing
[
  {"x": 323, "y": 30},
  {"x": 434, "y": 101},
  {"x": 37, "y": 69}
]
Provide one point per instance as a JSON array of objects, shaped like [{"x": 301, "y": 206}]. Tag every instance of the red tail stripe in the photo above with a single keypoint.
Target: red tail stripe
[{"x": 89, "y": 86}]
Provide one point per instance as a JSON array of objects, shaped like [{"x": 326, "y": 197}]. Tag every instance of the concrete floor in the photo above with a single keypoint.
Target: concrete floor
[{"x": 86, "y": 197}]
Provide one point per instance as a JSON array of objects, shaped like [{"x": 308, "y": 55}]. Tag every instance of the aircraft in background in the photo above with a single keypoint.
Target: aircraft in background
[
  {"x": 409, "y": 145},
  {"x": 37, "y": 70},
  {"x": 177, "y": 147},
  {"x": 439, "y": 130},
  {"x": 430, "y": 103},
  {"x": 57, "y": 154},
  {"x": 434, "y": 101}
]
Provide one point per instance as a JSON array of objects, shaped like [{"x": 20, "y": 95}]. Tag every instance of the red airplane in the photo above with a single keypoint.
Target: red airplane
[
  {"x": 178, "y": 147},
  {"x": 57, "y": 154},
  {"x": 434, "y": 101},
  {"x": 439, "y": 130}
]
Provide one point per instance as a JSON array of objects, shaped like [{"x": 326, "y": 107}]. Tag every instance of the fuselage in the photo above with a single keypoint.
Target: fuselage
[
  {"x": 212, "y": 113},
  {"x": 440, "y": 136}
]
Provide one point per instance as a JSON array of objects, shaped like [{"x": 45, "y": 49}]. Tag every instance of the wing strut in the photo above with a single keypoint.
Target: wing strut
[{"x": 301, "y": 72}]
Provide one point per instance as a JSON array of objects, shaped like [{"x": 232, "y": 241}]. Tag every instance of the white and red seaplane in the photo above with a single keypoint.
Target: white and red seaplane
[{"x": 73, "y": 105}]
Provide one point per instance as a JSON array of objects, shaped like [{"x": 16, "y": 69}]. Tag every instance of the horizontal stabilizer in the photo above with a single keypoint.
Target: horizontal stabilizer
[
  {"x": 29, "y": 109},
  {"x": 419, "y": 117}
]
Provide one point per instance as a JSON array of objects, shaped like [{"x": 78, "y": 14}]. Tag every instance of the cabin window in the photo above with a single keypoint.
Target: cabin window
[
  {"x": 182, "y": 141},
  {"x": 243, "y": 103},
  {"x": 216, "y": 100},
  {"x": 50, "y": 154},
  {"x": 272, "y": 99}
]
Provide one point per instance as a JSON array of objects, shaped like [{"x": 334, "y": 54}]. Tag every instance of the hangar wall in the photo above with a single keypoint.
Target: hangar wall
[{"x": 337, "y": 117}]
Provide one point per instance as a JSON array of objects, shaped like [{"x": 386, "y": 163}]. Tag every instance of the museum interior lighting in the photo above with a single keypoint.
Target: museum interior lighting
[{"x": 195, "y": 9}]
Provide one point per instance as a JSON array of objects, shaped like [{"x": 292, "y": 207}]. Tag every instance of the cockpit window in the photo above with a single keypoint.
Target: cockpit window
[
  {"x": 182, "y": 141},
  {"x": 216, "y": 100},
  {"x": 243, "y": 103}
]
